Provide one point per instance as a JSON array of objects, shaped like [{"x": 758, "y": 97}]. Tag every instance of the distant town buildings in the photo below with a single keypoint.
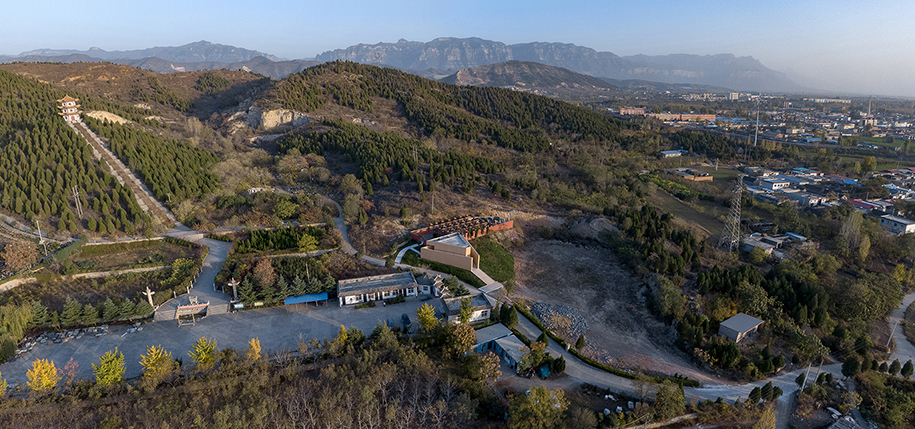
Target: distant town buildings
[{"x": 897, "y": 225}]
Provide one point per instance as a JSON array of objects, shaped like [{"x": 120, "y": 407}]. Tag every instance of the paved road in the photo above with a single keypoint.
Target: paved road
[
  {"x": 904, "y": 349},
  {"x": 204, "y": 287}
]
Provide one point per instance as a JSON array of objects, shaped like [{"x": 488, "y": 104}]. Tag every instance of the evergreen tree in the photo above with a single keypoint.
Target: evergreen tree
[
  {"x": 282, "y": 288},
  {"x": 127, "y": 309},
  {"x": 907, "y": 369},
  {"x": 72, "y": 314},
  {"x": 204, "y": 353},
  {"x": 755, "y": 395},
  {"x": 109, "y": 310},
  {"x": 143, "y": 308},
  {"x": 246, "y": 292},
  {"x": 90, "y": 315},
  {"x": 40, "y": 315},
  {"x": 895, "y": 367},
  {"x": 298, "y": 286},
  {"x": 580, "y": 343}
]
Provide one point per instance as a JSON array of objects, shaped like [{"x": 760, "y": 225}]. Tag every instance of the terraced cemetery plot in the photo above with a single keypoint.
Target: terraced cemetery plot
[{"x": 55, "y": 293}]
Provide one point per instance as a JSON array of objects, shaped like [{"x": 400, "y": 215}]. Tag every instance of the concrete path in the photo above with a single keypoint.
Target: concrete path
[
  {"x": 124, "y": 175},
  {"x": 205, "y": 285},
  {"x": 404, "y": 251},
  {"x": 482, "y": 276}
]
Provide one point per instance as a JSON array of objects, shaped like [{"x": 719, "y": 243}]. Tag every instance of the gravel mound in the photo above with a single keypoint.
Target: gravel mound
[{"x": 544, "y": 312}]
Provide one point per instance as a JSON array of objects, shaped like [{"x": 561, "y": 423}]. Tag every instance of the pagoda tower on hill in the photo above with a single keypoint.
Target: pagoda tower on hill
[{"x": 69, "y": 109}]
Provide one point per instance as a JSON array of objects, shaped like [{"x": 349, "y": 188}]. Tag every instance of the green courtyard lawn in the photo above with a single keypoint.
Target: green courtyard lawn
[{"x": 495, "y": 260}]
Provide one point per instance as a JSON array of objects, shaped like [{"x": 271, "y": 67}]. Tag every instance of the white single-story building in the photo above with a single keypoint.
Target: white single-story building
[
  {"x": 373, "y": 288},
  {"x": 482, "y": 305},
  {"x": 486, "y": 337},
  {"x": 897, "y": 225},
  {"x": 511, "y": 349}
]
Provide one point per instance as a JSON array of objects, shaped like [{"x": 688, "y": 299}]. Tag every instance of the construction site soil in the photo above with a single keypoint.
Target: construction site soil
[{"x": 587, "y": 282}]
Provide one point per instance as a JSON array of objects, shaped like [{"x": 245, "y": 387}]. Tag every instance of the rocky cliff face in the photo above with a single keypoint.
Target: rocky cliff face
[
  {"x": 451, "y": 54},
  {"x": 255, "y": 116}
]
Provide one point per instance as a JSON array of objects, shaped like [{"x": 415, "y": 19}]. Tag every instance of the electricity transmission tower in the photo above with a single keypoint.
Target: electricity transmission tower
[{"x": 730, "y": 237}]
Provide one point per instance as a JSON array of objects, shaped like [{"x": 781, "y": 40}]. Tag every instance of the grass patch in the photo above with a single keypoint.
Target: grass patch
[
  {"x": 671, "y": 205},
  {"x": 495, "y": 260},
  {"x": 411, "y": 258},
  {"x": 879, "y": 141},
  {"x": 108, "y": 257}
]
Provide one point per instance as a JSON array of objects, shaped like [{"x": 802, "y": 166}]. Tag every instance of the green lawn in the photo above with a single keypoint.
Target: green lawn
[
  {"x": 411, "y": 258},
  {"x": 879, "y": 141},
  {"x": 494, "y": 260},
  {"x": 683, "y": 211},
  {"x": 724, "y": 179}
]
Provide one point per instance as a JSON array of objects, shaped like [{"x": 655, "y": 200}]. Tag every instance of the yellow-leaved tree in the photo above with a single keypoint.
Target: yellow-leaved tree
[
  {"x": 157, "y": 366},
  {"x": 43, "y": 377},
  {"x": 253, "y": 353}
]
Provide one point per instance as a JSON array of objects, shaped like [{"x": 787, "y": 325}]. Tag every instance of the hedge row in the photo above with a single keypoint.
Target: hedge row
[
  {"x": 65, "y": 253},
  {"x": 180, "y": 242},
  {"x": 96, "y": 250},
  {"x": 594, "y": 363},
  {"x": 225, "y": 238}
]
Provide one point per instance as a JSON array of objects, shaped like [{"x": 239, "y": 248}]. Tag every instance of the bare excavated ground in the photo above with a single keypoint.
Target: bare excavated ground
[{"x": 620, "y": 330}]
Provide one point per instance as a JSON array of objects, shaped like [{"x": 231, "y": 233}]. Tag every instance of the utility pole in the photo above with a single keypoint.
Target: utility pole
[
  {"x": 891, "y": 334},
  {"x": 41, "y": 237},
  {"x": 805, "y": 377},
  {"x": 79, "y": 207}
]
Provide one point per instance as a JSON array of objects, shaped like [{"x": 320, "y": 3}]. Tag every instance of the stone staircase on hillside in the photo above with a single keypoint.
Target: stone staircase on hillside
[{"x": 123, "y": 175}]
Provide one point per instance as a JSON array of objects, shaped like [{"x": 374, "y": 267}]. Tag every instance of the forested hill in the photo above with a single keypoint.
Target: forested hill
[
  {"x": 486, "y": 115},
  {"x": 42, "y": 160}
]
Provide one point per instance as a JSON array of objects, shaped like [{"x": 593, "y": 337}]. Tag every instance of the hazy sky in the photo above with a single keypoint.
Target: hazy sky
[{"x": 848, "y": 46}]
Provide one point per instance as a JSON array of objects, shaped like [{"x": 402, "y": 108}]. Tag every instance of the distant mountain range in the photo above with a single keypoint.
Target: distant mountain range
[
  {"x": 559, "y": 82},
  {"x": 201, "y": 51},
  {"x": 445, "y": 56},
  {"x": 533, "y": 77},
  {"x": 451, "y": 54}
]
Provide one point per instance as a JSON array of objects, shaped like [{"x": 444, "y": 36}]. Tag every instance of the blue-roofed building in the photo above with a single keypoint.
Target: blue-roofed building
[{"x": 316, "y": 298}]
